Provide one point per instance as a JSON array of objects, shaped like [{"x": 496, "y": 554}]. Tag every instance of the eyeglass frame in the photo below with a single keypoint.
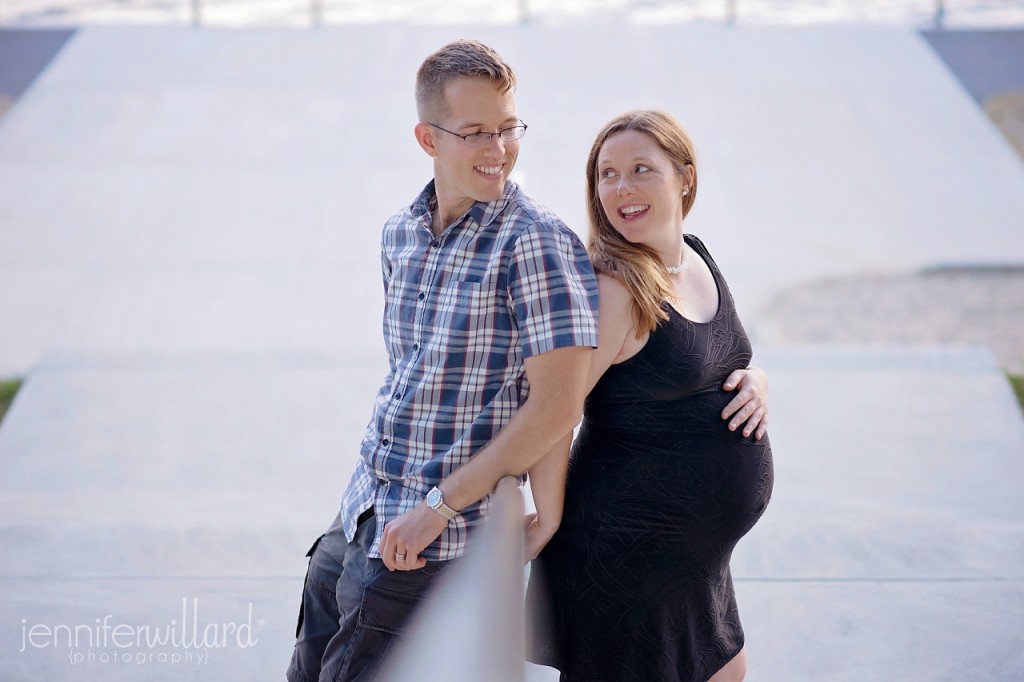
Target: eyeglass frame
[{"x": 490, "y": 135}]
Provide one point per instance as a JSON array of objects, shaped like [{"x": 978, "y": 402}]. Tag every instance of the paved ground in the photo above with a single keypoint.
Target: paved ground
[
  {"x": 942, "y": 305},
  {"x": 946, "y": 306},
  {"x": 892, "y": 548},
  {"x": 939, "y": 305},
  {"x": 218, "y": 190}
]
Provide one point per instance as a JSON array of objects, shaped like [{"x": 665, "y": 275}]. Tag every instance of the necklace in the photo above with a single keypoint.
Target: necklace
[{"x": 676, "y": 269}]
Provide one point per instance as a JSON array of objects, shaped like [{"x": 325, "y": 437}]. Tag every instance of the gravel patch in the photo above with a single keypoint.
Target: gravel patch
[{"x": 942, "y": 306}]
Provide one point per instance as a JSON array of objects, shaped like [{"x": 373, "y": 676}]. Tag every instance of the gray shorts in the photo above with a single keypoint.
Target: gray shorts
[{"x": 352, "y": 607}]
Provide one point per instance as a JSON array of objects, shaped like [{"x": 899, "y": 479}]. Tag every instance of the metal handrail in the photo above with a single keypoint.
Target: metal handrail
[{"x": 479, "y": 603}]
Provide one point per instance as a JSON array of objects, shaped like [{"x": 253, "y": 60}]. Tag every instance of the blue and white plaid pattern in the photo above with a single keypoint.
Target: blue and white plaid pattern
[{"x": 462, "y": 310}]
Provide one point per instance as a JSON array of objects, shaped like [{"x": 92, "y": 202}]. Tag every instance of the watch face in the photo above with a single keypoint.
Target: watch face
[{"x": 434, "y": 497}]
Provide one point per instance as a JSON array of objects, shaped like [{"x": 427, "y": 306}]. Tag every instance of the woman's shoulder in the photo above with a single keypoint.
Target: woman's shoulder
[
  {"x": 614, "y": 301},
  {"x": 615, "y": 320},
  {"x": 613, "y": 290}
]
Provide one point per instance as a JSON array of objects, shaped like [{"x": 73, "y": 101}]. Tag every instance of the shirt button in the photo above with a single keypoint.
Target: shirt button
[
  {"x": 385, "y": 442},
  {"x": 415, "y": 346},
  {"x": 421, "y": 296},
  {"x": 436, "y": 243}
]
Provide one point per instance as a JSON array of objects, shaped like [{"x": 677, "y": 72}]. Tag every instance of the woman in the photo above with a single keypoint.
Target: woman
[{"x": 660, "y": 487}]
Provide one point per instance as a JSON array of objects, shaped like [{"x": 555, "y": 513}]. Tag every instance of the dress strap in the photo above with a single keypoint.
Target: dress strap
[
  {"x": 695, "y": 243},
  {"x": 726, "y": 302}
]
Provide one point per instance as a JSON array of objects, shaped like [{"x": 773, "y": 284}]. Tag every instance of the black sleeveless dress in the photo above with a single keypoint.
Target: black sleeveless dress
[{"x": 636, "y": 581}]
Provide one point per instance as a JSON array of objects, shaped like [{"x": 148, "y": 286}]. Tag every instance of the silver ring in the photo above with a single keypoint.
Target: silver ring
[{"x": 399, "y": 557}]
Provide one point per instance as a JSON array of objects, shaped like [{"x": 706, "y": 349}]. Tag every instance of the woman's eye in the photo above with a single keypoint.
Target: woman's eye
[
  {"x": 642, "y": 168},
  {"x": 607, "y": 173}
]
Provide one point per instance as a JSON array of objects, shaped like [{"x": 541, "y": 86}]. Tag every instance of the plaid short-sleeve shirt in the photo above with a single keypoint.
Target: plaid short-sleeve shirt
[{"x": 463, "y": 309}]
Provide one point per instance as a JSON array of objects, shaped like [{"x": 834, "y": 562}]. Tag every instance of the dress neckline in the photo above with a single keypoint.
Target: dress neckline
[
  {"x": 697, "y": 246},
  {"x": 693, "y": 243}
]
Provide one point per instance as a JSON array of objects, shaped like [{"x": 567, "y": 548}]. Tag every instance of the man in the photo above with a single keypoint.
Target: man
[{"x": 489, "y": 298}]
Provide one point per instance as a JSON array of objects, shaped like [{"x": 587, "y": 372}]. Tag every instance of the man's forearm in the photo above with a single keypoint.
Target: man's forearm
[
  {"x": 531, "y": 434},
  {"x": 558, "y": 386}
]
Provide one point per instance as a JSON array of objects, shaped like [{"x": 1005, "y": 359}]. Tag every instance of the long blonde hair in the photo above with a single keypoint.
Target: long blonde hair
[{"x": 637, "y": 266}]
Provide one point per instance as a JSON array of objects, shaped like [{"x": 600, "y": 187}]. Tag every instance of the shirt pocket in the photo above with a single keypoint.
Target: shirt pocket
[{"x": 471, "y": 308}]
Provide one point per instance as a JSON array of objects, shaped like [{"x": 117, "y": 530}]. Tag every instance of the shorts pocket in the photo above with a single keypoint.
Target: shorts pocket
[
  {"x": 390, "y": 600},
  {"x": 305, "y": 587}
]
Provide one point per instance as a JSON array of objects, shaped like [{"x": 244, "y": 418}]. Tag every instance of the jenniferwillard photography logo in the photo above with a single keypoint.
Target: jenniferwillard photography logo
[{"x": 188, "y": 640}]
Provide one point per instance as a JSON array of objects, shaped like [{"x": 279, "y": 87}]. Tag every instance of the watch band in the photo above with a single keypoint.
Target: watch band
[{"x": 436, "y": 502}]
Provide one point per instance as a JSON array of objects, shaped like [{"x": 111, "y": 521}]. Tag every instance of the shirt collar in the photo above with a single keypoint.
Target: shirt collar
[{"x": 483, "y": 213}]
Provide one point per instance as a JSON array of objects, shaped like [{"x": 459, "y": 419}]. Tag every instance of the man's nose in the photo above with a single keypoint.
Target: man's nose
[{"x": 496, "y": 139}]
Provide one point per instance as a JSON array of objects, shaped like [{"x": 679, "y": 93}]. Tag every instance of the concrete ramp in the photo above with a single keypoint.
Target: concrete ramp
[
  {"x": 202, "y": 190},
  {"x": 159, "y": 488}
]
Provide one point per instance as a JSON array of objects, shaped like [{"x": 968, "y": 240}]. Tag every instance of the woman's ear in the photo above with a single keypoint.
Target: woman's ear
[{"x": 425, "y": 137}]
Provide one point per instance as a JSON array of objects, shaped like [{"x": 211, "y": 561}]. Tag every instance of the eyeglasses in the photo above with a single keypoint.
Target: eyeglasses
[{"x": 481, "y": 139}]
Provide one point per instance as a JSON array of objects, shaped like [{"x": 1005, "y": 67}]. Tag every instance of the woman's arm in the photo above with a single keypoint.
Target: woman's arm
[
  {"x": 547, "y": 477},
  {"x": 547, "y": 482}
]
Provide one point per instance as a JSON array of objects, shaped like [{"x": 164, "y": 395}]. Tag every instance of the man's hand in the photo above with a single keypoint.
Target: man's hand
[
  {"x": 750, "y": 404},
  {"x": 408, "y": 535},
  {"x": 537, "y": 535}
]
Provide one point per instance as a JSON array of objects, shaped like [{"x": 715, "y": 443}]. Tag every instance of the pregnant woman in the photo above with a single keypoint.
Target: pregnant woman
[{"x": 662, "y": 481}]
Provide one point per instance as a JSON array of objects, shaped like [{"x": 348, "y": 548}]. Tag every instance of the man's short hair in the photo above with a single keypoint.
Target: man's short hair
[{"x": 459, "y": 59}]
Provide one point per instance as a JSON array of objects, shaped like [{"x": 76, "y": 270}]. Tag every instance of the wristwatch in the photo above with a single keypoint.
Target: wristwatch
[{"x": 435, "y": 500}]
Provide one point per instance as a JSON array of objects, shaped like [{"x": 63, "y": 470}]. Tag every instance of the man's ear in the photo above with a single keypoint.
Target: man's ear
[{"x": 425, "y": 138}]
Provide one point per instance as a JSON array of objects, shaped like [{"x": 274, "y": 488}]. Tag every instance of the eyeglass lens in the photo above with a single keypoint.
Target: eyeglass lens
[{"x": 508, "y": 135}]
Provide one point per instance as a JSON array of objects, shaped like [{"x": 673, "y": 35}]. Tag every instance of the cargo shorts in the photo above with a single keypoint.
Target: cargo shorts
[{"x": 353, "y": 607}]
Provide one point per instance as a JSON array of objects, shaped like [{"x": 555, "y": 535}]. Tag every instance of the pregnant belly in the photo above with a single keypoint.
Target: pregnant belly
[{"x": 702, "y": 485}]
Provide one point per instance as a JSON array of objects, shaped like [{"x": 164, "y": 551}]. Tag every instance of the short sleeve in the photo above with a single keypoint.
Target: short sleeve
[{"x": 553, "y": 290}]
